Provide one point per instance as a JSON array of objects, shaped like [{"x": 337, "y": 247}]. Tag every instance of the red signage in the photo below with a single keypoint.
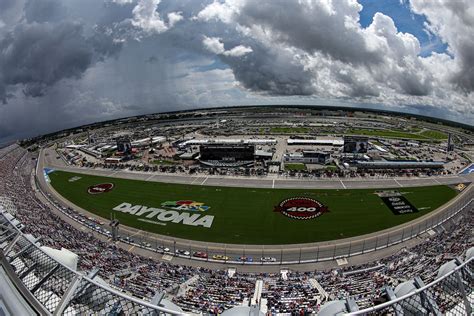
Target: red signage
[
  {"x": 100, "y": 188},
  {"x": 301, "y": 208}
]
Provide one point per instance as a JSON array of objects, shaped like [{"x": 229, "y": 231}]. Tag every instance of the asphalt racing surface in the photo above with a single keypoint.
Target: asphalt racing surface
[
  {"x": 298, "y": 256},
  {"x": 50, "y": 161}
]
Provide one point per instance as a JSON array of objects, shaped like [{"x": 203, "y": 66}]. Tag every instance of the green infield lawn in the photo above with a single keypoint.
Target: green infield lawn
[
  {"x": 434, "y": 134},
  {"x": 290, "y": 130},
  {"x": 295, "y": 166},
  {"x": 245, "y": 215},
  {"x": 387, "y": 134}
]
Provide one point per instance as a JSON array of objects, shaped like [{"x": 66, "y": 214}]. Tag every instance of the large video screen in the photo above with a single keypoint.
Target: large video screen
[{"x": 355, "y": 145}]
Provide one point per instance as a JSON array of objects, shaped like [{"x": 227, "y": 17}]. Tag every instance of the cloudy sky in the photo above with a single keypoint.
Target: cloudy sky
[{"x": 68, "y": 62}]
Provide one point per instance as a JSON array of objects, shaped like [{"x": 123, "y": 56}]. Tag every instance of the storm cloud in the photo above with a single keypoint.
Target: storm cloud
[{"x": 71, "y": 62}]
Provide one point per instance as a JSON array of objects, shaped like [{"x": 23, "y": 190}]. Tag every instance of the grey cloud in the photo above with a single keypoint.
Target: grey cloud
[
  {"x": 357, "y": 88},
  {"x": 35, "y": 56},
  {"x": 44, "y": 11},
  {"x": 412, "y": 85},
  {"x": 453, "y": 22},
  {"x": 464, "y": 78},
  {"x": 39, "y": 55},
  {"x": 310, "y": 28},
  {"x": 6, "y": 4},
  {"x": 272, "y": 71}
]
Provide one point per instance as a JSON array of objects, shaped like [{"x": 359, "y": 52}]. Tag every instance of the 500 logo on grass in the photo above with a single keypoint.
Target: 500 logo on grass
[
  {"x": 301, "y": 208},
  {"x": 166, "y": 215},
  {"x": 186, "y": 205}
]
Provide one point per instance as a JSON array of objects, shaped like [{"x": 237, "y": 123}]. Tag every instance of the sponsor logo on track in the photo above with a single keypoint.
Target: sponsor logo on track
[
  {"x": 396, "y": 202},
  {"x": 162, "y": 216},
  {"x": 301, "y": 208},
  {"x": 186, "y": 205},
  {"x": 100, "y": 188},
  {"x": 74, "y": 179}
]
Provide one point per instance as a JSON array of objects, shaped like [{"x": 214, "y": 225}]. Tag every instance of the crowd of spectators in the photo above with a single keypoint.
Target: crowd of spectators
[{"x": 215, "y": 291}]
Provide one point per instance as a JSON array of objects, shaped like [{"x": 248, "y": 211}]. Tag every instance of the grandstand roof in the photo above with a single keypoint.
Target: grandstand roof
[
  {"x": 228, "y": 141},
  {"x": 317, "y": 141},
  {"x": 400, "y": 164}
]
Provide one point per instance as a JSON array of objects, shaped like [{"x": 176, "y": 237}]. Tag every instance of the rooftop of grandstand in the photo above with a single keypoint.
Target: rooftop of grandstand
[
  {"x": 399, "y": 164},
  {"x": 317, "y": 141},
  {"x": 227, "y": 141}
]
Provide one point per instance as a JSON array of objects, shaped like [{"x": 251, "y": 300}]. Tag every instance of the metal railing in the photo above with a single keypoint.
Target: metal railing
[
  {"x": 450, "y": 294},
  {"x": 60, "y": 290},
  {"x": 56, "y": 288}
]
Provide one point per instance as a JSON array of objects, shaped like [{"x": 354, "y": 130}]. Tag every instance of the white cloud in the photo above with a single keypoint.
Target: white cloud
[
  {"x": 373, "y": 64},
  {"x": 215, "y": 45},
  {"x": 453, "y": 22},
  {"x": 122, "y": 2},
  {"x": 147, "y": 18},
  {"x": 238, "y": 51},
  {"x": 174, "y": 17},
  {"x": 223, "y": 11}
]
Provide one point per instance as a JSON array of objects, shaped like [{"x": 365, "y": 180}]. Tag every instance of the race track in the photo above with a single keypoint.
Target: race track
[{"x": 297, "y": 256}]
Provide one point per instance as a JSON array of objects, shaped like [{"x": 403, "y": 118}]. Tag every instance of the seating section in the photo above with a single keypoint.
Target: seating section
[{"x": 213, "y": 292}]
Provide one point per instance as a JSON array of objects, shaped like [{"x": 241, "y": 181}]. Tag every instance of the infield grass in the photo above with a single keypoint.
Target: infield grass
[
  {"x": 295, "y": 166},
  {"x": 245, "y": 215}
]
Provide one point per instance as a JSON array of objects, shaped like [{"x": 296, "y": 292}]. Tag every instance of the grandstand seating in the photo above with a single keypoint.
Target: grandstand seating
[{"x": 214, "y": 291}]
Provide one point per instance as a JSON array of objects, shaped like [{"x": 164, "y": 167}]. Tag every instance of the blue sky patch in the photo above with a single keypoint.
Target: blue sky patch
[{"x": 405, "y": 21}]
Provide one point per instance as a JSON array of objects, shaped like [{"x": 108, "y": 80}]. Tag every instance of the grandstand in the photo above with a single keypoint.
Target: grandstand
[{"x": 432, "y": 275}]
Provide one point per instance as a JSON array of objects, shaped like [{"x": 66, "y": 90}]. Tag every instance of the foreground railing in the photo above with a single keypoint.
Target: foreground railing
[
  {"x": 57, "y": 289},
  {"x": 450, "y": 294}
]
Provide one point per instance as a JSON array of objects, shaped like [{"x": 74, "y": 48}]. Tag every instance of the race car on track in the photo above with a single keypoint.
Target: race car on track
[
  {"x": 220, "y": 257},
  {"x": 268, "y": 259},
  {"x": 182, "y": 252},
  {"x": 245, "y": 259},
  {"x": 163, "y": 249},
  {"x": 200, "y": 254}
]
